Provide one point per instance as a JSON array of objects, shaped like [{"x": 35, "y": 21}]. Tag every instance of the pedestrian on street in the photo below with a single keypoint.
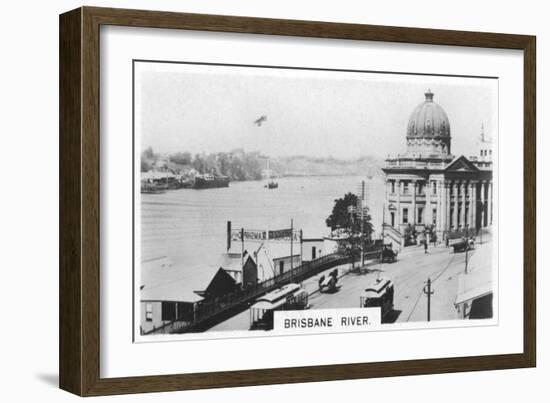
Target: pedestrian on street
[{"x": 426, "y": 246}]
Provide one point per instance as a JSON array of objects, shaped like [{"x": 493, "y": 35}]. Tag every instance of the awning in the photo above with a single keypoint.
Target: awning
[{"x": 478, "y": 282}]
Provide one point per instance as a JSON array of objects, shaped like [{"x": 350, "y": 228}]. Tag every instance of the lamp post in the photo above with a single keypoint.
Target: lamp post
[
  {"x": 467, "y": 249},
  {"x": 428, "y": 291},
  {"x": 362, "y": 219},
  {"x": 351, "y": 209}
]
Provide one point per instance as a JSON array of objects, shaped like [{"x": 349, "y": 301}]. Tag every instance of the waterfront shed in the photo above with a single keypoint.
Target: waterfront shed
[
  {"x": 312, "y": 248},
  {"x": 270, "y": 258},
  {"x": 244, "y": 274},
  {"x": 166, "y": 303},
  {"x": 282, "y": 257}
]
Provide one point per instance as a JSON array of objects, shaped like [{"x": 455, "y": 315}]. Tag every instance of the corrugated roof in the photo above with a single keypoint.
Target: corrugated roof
[
  {"x": 174, "y": 292},
  {"x": 157, "y": 263},
  {"x": 156, "y": 276}
]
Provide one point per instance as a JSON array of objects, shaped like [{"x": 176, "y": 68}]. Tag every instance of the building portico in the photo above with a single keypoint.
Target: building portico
[{"x": 429, "y": 188}]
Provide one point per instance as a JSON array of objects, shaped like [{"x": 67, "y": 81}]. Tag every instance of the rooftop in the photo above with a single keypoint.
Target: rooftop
[
  {"x": 163, "y": 283},
  {"x": 173, "y": 292},
  {"x": 479, "y": 280}
]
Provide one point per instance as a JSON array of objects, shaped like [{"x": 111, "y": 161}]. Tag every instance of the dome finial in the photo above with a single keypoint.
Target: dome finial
[{"x": 429, "y": 95}]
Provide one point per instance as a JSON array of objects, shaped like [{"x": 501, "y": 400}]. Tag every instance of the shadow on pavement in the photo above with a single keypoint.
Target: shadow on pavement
[
  {"x": 392, "y": 316},
  {"x": 364, "y": 272},
  {"x": 331, "y": 290}
]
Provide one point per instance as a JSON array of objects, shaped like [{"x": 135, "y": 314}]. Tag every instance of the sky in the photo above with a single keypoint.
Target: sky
[{"x": 345, "y": 115}]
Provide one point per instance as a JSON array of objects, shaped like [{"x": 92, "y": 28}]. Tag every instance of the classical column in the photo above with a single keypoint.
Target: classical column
[
  {"x": 483, "y": 208},
  {"x": 447, "y": 205},
  {"x": 449, "y": 222},
  {"x": 386, "y": 202},
  {"x": 468, "y": 192},
  {"x": 463, "y": 210},
  {"x": 398, "y": 190},
  {"x": 439, "y": 209},
  {"x": 414, "y": 203},
  {"x": 455, "y": 211},
  {"x": 471, "y": 221},
  {"x": 473, "y": 204},
  {"x": 490, "y": 204},
  {"x": 428, "y": 216}
]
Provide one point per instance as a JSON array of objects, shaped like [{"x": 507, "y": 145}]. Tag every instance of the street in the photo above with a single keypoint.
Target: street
[{"x": 409, "y": 274}]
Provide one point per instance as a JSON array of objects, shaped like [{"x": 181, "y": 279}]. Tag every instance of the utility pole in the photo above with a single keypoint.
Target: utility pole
[
  {"x": 291, "y": 248},
  {"x": 301, "y": 246},
  {"x": 228, "y": 236},
  {"x": 383, "y": 219},
  {"x": 351, "y": 210},
  {"x": 242, "y": 249},
  {"x": 428, "y": 291},
  {"x": 362, "y": 220}
]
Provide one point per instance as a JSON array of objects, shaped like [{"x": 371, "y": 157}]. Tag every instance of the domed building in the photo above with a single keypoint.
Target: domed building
[
  {"x": 430, "y": 191},
  {"x": 429, "y": 131}
]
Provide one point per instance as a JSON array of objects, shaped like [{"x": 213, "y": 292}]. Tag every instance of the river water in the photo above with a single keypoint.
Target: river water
[{"x": 189, "y": 226}]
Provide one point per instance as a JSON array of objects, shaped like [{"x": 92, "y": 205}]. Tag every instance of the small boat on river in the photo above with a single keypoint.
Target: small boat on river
[{"x": 208, "y": 181}]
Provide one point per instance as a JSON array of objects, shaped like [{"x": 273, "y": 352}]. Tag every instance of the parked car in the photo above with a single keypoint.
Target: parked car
[
  {"x": 388, "y": 254},
  {"x": 463, "y": 245}
]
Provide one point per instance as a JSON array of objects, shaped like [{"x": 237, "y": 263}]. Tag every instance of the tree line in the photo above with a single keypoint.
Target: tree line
[{"x": 236, "y": 164}]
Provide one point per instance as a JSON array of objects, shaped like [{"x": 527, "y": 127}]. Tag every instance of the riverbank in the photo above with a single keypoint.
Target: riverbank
[{"x": 189, "y": 226}]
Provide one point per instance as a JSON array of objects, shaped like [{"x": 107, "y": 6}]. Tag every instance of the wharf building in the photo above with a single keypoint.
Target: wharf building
[{"x": 428, "y": 188}]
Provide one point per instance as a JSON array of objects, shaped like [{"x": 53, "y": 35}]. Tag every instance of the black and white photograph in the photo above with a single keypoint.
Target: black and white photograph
[{"x": 272, "y": 200}]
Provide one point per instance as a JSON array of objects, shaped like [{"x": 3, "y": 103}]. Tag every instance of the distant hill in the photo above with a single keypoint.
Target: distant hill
[
  {"x": 240, "y": 165},
  {"x": 308, "y": 166}
]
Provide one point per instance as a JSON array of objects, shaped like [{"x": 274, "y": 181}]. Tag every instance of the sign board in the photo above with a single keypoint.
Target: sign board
[{"x": 261, "y": 235}]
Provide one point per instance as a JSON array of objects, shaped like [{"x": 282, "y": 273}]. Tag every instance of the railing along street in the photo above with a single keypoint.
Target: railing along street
[{"x": 209, "y": 309}]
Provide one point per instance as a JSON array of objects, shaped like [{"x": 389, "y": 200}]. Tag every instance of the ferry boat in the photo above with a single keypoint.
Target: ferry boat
[
  {"x": 271, "y": 184},
  {"x": 153, "y": 188},
  {"x": 208, "y": 181}
]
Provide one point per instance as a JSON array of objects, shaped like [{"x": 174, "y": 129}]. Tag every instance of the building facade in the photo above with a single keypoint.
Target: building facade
[{"x": 429, "y": 188}]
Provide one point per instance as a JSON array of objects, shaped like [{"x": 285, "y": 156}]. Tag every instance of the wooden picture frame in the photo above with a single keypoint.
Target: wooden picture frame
[{"x": 79, "y": 280}]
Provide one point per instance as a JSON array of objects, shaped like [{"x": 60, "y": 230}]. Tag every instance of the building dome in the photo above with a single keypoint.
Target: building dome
[{"x": 429, "y": 131}]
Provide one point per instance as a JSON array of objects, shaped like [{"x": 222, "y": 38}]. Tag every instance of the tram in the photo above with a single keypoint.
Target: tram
[
  {"x": 379, "y": 294},
  {"x": 290, "y": 297}
]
